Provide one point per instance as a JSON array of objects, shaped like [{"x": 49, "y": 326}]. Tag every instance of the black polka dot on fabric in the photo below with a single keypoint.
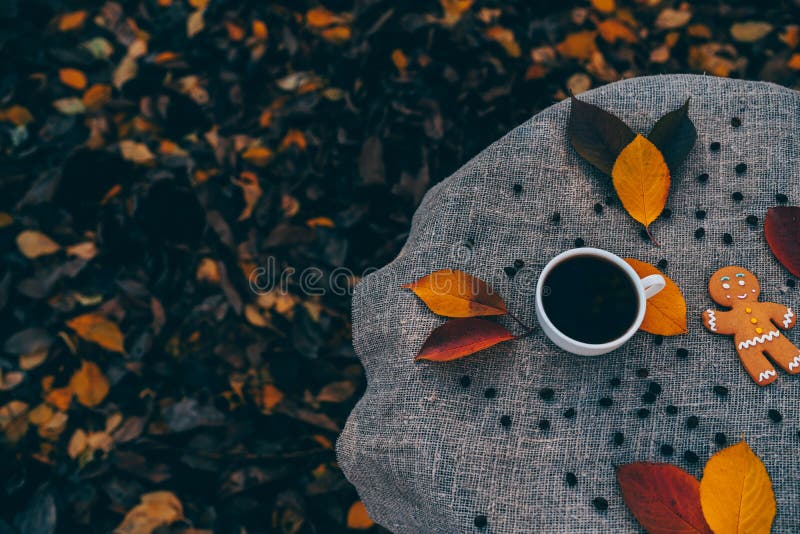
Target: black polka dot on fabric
[
  {"x": 654, "y": 388},
  {"x": 481, "y": 521},
  {"x": 469, "y": 243},
  {"x": 722, "y": 391},
  {"x": 618, "y": 438},
  {"x": 643, "y": 413},
  {"x": 556, "y": 217},
  {"x": 700, "y": 233},
  {"x": 737, "y": 196},
  {"x": 662, "y": 263},
  {"x": 610, "y": 201},
  {"x": 642, "y": 373},
  {"x": 600, "y": 503},
  {"x": 752, "y": 220},
  {"x": 517, "y": 188},
  {"x": 790, "y": 283},
  {"x": 692, "y": 421},
  {"x": 505, "y": 421},
  {"x": 671, "y": 409},
  {"x": 703, "y": 178},
  {"x": 544, "y": 424},
  {"x": 700, "y": 214},
  {"x": 598, "y": 208},
  {"x": 658, "y": 341},
  {"x": 690, "y": 457},
  {"x": 519, "y": 264},
  {"x": 714, "y": 147},
  {"x": 667, "y": 213},
  {"x": 775, "y": 416},
  {"x": 579, "y": 242},
  {"x": 727, "y": 238},
  {"x": 571, "y": 479},
  {"x": 780, "y": 197},
  {"x": 615, "y": 382},
  {"x": 667, "y": 450},
  {"x": 490, "y": 393},
  {"x": 465, "y": 381},
  {"x": 546, "y": 394},
  {"x": 648, "y": 398},
  {"x": 682, "y": 353},
  {"x": 740, "y": 168},
  {"x": 569, "y": 413},
  {"x": 510, "y": 271},
  {"x": 720, "y": 439},
  {"x": 605, "y": 402},
  {"x": 736, "y": 122}
]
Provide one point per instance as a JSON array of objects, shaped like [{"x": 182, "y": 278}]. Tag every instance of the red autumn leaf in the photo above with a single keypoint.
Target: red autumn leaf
[
  {"x": 664, "y": 498},
  {"x": 461, "y": 337},
  {"x": 782, "y": 228}
]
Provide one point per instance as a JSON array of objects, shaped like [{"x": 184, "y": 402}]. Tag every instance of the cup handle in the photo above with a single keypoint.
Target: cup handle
[{"x": 652, "y": 285}]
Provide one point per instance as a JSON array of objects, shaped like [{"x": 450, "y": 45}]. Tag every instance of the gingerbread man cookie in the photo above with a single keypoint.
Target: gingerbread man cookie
[{"x": 754, "y": 325}]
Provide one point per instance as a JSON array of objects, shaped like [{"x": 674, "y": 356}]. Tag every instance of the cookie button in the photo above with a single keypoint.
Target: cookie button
[
  {"x": 759, "y": 330},
  {"x": 753, "y": 320},
  {"x": 748, "y": 310}
]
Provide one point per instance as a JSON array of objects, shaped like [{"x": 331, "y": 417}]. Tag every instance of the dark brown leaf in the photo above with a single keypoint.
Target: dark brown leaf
[
  {"x": 674, "y": 134},
  {"x": 782, "y": 229},
  {"x": 597, "y": 135}
]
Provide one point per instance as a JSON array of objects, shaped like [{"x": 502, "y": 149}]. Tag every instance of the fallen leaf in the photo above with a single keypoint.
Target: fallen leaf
[
  {"x": 597, "y": 135},
  {"x": 73, "y": 78},
  {"x": 260, "y": 31},
  {"x": 613, "y": 30},
  {"x": 337, "y": 34},
  {"x": 17, "y": 115},
  {"x": 293, "y": 138},
  {"x": 34, "y": 244},
  {"x": 208, "y": 271},
  {"x": 578, "y": 83},
  {"x": 454, "y": 10},
  {"x": 665, "y": 314},
  {"x": 400, "y": 61},
  {"x": 69, "y": 106},
  {"x": 782, "y": 230},
  {"x": 156, "y": 509},
  {"x": 358, "y": 518},
  {"x": 453, "y": 293},
  {"x": 10, "y": 379},
  {"x": 670, "y": 19},
  {"x": 99, "y": 47},
  {"x": 336, "y": 391},
  {"x": 138, "y": 153},
  {"x": 578, "y": 45},
  {"x": 31, "y": 339},
  {"x": 736, "y": 492},
  {"x": 316, "y": 222},
  {"x": 461, "y": 337},
  {"x": 97, "y": 329},
  {"x": 319, "y": 17},
  {"x": 71, "y": 21},
  {"x": 85, "y": 251},
  {"x": 663, "y": 498},
  {"x": 641, "y": 179},
  {"x": 505, "y": 38},
  {"x": 270, "y": 397},
  {"x": 96, "y": 96},
  {"x": 195, "y": 23},
  {"x": 794, "y": 62},
  {"x": 89, "y": 384},
  {"x": 258, "y": 156},
  {"x": 674, "y": 135},
  {"x": 751, "y": 31},
  {"x": 14, "y": 420},
  {"x": 604, "y": 6},
  {"x": 5, "y": 219},
  {"x": 251, "y": 190}
]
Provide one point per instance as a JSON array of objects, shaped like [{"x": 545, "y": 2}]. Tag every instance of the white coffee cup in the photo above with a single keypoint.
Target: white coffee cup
[{"x": 645, "y": 288}]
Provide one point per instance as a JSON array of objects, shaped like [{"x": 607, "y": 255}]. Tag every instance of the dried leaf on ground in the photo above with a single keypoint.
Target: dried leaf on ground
[
  {"x": 665, "y": 314},
  {"x": 97, "y": 329},
  {"x": 453, "y": 293},
  {"x": 89, "y": 384}
]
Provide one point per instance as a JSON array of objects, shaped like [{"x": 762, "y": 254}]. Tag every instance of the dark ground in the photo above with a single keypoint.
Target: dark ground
[{"x": 181, "y": 163}]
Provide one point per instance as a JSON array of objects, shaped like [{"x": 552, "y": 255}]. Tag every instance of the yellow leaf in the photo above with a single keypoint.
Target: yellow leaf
[
  {"x": 136, "y": 152},
  {"x": 72, "y": 78},
  {"x": 665, "y": 314},
  {"x": 454, "y": 293},
  {"x": 505, "y": 38},
  {"x": 736, "y": 492},
  {"x": 89, "y": 384},
  {"x": 578, "y": 45},
  {"x": 97, "y": 329},
  {"x": 641, "y": 178},
  {"x": 751, "y": 31},
  {"x": 34, "y": 244},
  {"x": 155, "y": 510},
  {"x": 71, "y": 21},
  {"x": 195, "y": 23},
  {"x": 604, "y": 6},
  {"x": 257, "y": 155},
  {"x": 454, "y": 10},
  {"x": 358, "y": 518},
  {"x": 17, "y": 115}
]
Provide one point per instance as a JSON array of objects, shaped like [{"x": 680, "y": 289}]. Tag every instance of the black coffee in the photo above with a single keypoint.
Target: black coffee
[{"x": 590, "y": 299}]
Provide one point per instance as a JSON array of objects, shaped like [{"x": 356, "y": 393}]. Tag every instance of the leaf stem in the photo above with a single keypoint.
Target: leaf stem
[
  {"x": 653, "y": 239},
  {"x": 528, "y": 329}
]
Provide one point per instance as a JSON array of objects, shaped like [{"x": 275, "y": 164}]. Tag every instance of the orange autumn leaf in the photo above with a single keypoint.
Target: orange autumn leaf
[
  {"x": 454, "y": 10},
  {"x": 316, "y": 222},
  {"x": 337, "y": 34},
  {"x": 358, "y": 518},
  {"x": 613, "y": 30},
  {"x": 73, "y": 78},
  {"x": 251, "y": 190},
  {"x": 71, "y": 21},
  {"x": 60, "y": 398},
  {"x": 156, "y": 509},
  {"x": 578, "y": 45},
  {"x": 34, "y": 244},
  {"x": 319, "y": 17},
  {"x": 96, "y": 96},
  {"x": 663, "y": 498},
  {"x": 794, "y": 62},
  {"x": 400, "y": 61},
  {"x": 736, "y": 492},
  {"x": 89, "y": 384},
  {"x": 97, "y": 329},
  {"x": 235, "y": 32},
  {"x": 294, "y": 138},
  {"x": 270, "y": 397},
  {"x": 453, "y": 293},
  {"x": 461, "y": 337},
  {"x": 505, "y": 38},
  {"x": 665, "y": 314},
  {"x": 641, "y": 179},
  {"x": 604, "y": 6},
  {"x": 257, "y": 155},
  {"x": 16, "y": 115},
  {"x": 259, "y": 30}
]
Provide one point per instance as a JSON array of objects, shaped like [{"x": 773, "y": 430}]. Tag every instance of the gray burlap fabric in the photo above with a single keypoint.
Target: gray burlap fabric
[{"x": 430, "y": 455}]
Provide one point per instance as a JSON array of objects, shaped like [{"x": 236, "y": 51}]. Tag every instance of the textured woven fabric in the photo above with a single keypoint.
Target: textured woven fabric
[{"x": 428, "y": 454}]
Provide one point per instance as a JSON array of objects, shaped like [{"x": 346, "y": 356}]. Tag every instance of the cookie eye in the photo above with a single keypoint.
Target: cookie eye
[
  {"x": 741, "y": 282},
  {"x": 726, "y": 286}
]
